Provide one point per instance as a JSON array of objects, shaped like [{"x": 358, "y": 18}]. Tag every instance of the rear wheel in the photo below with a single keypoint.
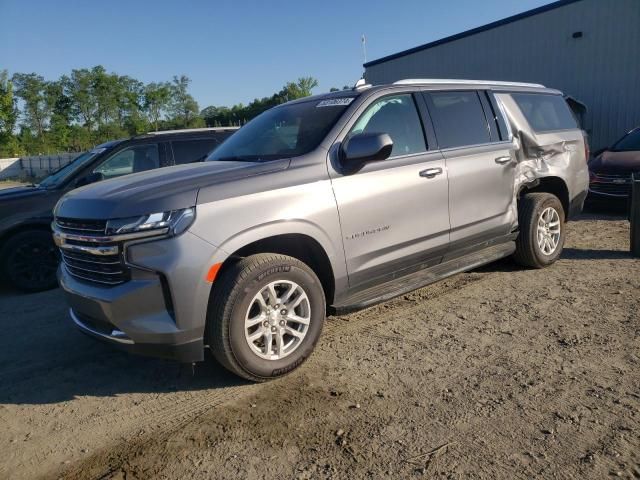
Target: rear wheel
[
  {"x": 542, "y": 230},
  {"x": 265, "y": 316},
  {"x": 29, "y": 261}
]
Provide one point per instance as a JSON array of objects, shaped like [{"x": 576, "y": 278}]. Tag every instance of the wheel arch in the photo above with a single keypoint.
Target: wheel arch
[
  {"x": 553, "y": 185},
  {"x": 23, "y": 227},
  {"x": 297, "y": 245}
]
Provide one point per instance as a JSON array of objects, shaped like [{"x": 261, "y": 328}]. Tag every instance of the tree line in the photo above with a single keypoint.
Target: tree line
[{"x": 91, "y": 106}]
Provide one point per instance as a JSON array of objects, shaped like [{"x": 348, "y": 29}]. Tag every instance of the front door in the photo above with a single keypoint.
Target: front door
[{"x": 394, "y": 213}]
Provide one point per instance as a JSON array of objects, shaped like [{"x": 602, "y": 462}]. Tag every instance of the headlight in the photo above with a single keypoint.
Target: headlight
[{"x": 173, "y": 222}]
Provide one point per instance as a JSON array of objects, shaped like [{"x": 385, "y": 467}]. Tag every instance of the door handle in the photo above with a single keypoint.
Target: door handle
[
  {"x": 503, "y": 160},
  {"x": 431, "y": 172}
]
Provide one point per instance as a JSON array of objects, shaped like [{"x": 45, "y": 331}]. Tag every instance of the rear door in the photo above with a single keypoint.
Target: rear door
[
  {"x": 480, "y": 161},
  {"x": 393, "y": 213}
]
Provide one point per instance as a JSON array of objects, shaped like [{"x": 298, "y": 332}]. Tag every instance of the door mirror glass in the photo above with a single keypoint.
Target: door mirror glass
[{"x": 368, "y": 147}]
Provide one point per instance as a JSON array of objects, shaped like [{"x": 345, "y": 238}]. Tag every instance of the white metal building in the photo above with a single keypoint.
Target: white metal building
[{"x": 589, "y": 49}]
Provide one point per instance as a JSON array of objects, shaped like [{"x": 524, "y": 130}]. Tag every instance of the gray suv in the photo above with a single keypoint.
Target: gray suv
[{"x": 321, "y": 205}]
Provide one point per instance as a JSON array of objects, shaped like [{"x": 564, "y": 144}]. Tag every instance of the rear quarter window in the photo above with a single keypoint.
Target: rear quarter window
[{"x": 545, "y": 112}]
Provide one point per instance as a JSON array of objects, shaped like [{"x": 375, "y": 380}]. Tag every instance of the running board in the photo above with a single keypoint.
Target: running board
[{"x": 394, "y": 288}]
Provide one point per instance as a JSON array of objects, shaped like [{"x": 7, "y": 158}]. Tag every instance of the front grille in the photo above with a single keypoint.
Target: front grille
[
  {"x": 611, "y": 184},
  {"x": 80, "y": 256},
  {"x": 82, "y": 227}
]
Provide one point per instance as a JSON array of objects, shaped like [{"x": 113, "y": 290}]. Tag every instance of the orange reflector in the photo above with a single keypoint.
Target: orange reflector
[{"x": 213, "y": 271}]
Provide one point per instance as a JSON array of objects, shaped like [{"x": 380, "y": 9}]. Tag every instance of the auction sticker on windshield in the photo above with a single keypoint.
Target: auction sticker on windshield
[{"x": 335, "y": 102}]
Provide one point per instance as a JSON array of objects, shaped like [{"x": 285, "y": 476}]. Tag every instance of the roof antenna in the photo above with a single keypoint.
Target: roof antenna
[{"x": 364, "y": 48}]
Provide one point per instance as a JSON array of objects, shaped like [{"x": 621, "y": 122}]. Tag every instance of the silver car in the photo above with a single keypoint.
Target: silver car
[{"x": 320, "y": 206}]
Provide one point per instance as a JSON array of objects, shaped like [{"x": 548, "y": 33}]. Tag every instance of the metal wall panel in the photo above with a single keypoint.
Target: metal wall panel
[{"x": 600, "y": 69}]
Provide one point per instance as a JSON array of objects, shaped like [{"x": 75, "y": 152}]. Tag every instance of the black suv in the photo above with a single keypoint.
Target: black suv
[{"x": 28, "y": 257}]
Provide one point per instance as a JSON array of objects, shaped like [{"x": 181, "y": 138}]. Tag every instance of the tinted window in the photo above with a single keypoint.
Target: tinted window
[
  {"x": 458, "y": 119},
  {"x": 398, "y": 117},
  {"x": 288, "y": 130},
  {"x": 187, "y": 151},
  {"x": 545, "y": 113},
  {"x": 130, "y": 160},
  {"x": 630, "y": 142}
]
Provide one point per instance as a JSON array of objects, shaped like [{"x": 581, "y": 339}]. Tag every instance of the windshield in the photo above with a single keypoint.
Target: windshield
[
  {"x": 289, "y": 130},
  {"x": 61, "y": 175},
  {"x": 629, "y": 143}
]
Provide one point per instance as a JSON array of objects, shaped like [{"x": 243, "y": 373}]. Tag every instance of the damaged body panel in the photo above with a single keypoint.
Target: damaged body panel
[{"x": 558, "y": 157}]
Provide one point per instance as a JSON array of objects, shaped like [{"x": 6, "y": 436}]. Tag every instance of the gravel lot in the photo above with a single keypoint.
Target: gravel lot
[{"x": 498, "y": 373}]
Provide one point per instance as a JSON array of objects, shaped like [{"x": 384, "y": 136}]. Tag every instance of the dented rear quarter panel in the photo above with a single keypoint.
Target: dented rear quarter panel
[{"x": 556, "y": 154}]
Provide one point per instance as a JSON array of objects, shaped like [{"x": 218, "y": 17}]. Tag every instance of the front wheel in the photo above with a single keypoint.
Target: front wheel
[
  {"x": 265, "y": 316},
  {"x": 542, "y": 230}
]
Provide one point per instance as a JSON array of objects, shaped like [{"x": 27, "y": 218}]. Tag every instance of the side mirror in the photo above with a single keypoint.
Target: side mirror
[
  {"x": 91, "y": 178},
  {"x": 367, "y": 147}
]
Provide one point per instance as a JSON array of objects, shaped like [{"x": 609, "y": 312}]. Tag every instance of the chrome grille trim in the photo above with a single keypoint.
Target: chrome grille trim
[
  {"x": 88, "y": 254},
  {"x": 70, "y": 254},
  {"x": 107, "y": 238}
]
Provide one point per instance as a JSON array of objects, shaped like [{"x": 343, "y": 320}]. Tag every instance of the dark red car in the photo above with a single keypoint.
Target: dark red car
[{"x": 611, "y": 169}]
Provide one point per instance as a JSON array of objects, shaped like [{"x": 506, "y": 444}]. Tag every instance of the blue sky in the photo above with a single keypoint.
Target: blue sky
[{"x": 234, "y": 51}]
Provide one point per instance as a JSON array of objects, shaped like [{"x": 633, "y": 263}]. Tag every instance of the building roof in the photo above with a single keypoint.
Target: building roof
[{"x": 473, "y": 31}]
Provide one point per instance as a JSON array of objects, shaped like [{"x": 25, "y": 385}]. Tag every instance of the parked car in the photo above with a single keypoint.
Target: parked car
[
  {"x": 28, "y": 256},
  {"x": 610, "y": 170},
  {"x": 325, "y": 204}
]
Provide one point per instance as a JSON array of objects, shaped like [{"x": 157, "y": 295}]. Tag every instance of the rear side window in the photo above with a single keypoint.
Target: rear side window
[
  {"x": 188, "y": 151},
  {"x": 544, "y": 112},
  {"x": 458, "y": 118}
]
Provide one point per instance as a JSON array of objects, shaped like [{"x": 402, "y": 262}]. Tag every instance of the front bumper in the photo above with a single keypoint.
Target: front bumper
[
  {"x": 186, "y": 352},
  {"x": 160, "y": 311}
]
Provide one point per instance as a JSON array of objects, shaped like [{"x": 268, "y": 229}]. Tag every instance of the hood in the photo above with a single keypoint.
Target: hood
[
  {"x": 616, "y": 162},
  {"x": 157, "y": 190},
  {"x": 16, "y": 193}
]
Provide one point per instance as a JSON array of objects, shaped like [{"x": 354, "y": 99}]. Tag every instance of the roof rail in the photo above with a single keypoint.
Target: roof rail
[
  {"x": 439, "y": 81},
  {"x": 191, "y": 130}
]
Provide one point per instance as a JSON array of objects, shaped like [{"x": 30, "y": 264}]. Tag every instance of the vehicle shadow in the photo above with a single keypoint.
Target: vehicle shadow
[
  {"x": 44, "y": 359},
  {"x": 569, "y": 253},
  {"x": 604, "y": 211}
]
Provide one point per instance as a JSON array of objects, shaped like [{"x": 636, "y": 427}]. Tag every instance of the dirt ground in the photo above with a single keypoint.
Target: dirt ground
[{"x": 498, "y": 373}]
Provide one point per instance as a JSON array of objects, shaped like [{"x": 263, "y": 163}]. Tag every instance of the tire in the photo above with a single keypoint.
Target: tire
[
  {"x": 29, "y": 260},
  {"x": 529, "y": 251},
  {"x": 236, "y": 299}
]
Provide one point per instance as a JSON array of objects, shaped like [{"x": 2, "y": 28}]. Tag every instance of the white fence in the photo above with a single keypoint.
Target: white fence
[{"x": 36, "y": 166}]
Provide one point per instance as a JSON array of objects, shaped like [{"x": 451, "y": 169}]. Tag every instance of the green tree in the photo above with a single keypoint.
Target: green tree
[
  {"x": 240, "y": 114},
  {"x": 32, "y": 88},
  {"x": 182, "y": 107},
  {"x": 84, "y": 104},
  {"x": 156, "y": 101},
  {"x": 9, "y": 145}
]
